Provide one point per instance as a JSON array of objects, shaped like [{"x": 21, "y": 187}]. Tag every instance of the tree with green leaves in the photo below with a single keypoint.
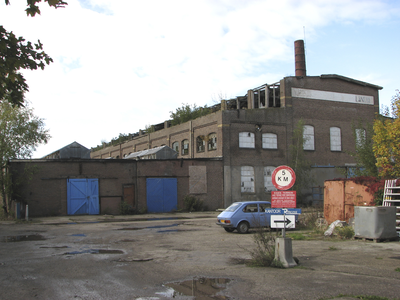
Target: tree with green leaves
[
  {"x": 33, "y": 7},
  {"x": 364, "y": 154},
  {"x": 386, "y": 139},
  {"x": 20, "y": 133},
  {"x": 300, "y": 164},
  {"x": 187, "y": 113},
  {"x": 17, "y": 54}
]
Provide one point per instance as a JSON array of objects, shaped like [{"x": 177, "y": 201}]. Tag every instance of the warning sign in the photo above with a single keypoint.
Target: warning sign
[
  {"x": 283, "y": 177},
  {"x": 283, "y": 199}
]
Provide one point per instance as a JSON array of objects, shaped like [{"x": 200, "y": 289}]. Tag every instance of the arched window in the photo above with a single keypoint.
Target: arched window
[
  {"x": 268, "y": 185},
  {"x": 269, "y": 141},
  {"x": 308, "y": 136},
  {"x": 247, "y": 179},
  {"x": 200, "y": 144},
  {"x": 212, "y": 141},
  {"x": 246, "y": 140},
  {"x": 336, "y": 140},
  {"x": 175, "y": 146},
  {"x": 185, "y": 147}
]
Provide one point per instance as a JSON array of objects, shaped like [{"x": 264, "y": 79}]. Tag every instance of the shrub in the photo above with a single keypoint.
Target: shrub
[
  {"x": 126, "y": 209},
  {"x": 192, "y": 203},
  {"x": 345, "y": 232},
  {"x": 263, "y": 254}
]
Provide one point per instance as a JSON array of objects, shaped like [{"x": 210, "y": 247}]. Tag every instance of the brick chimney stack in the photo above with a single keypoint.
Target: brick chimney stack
[{"x": 300, "y": 58}]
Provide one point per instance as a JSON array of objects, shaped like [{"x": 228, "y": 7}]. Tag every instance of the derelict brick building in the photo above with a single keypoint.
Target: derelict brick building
[{"x": 253, "y": 134}]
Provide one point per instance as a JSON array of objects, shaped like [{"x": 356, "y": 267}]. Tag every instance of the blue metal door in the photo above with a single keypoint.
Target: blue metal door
[
  {"x": 83, "y": 196},
  {"x": 162, "y": 194}
]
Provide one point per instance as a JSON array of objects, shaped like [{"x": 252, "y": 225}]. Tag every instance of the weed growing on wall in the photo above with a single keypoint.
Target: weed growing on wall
[{"x": 192, "y": 203}]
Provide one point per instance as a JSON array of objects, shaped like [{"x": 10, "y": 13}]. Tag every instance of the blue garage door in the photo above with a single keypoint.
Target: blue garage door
[
  {"x": 83, "y": 196},
  {"x": 162, "y": 195}
]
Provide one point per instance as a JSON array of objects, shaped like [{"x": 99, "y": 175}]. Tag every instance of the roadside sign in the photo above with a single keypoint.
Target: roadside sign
[
  {"x": 283, "y": 177},
  {"x": 283, "y": 221},
  {"x": 274, "y": 211},
  {"x": 292, "y": 211},
  {"x": 285, "y": 199}
]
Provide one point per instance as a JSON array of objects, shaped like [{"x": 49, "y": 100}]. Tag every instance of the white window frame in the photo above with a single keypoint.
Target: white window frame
[
  {"x": 175, "y": 145},
  {"x": 268, "y": 185},
  {"x": 336, "y": 139},
  {"x": 247, "y": 179},
  {"x": 269, "y": 141},
  {"x": 246, "y": 140},
  {"x": 185, "y": 147},
  {"x": 308, "y": 137}
]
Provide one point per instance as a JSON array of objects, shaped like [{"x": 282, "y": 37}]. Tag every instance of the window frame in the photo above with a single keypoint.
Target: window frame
[
  {"x": 268, "y": 137},
  {"x": 247, "y": 138},
  {"x": 308, "y": 138},
  {"x": 247, "y": 173},
  {"x": 335, "y": 145},
  {"x": 185, "y": 150}
]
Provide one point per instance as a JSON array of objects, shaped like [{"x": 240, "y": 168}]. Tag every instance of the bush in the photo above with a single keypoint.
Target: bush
[
  {"x": 193, "y": 204},
  {"x": 345, "y": 232},
  {"x": 263, "y": 255},
  {"x": 126, "y": 209}
]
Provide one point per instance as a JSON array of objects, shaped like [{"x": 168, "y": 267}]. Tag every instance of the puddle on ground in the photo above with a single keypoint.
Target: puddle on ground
[
  {"x": 78, "y": 234},
  {"x": 95, "y": 251},
  {"x": 201, "y": 288},
  {"x": 150, "y": 227},
  {"x": 22, "y": 238},
  {"x": 54, "y": 247}
]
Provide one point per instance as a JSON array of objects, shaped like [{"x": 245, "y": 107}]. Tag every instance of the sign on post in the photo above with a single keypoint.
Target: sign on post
[
  {"x": 283, "y": 177},
  {"x": 283, "y": 221},
  {"x": 285, "y": 199}
]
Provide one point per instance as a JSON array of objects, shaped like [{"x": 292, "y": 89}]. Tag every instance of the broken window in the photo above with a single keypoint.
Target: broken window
[
  {"x": 175, "y": 146},
  {"x": 200, "y": 144},
  {"x": 269, "y": 141},
  {"x": 247, "y": 179},
  {"x": 268, "y": 185},
  {"x": 185, "y": 147},
  {"x": 308, "y": 137},
  {"x": 246, "y": 140},
  {"x": 336, "y": 142},
  {"x": 212, "y": 141}
]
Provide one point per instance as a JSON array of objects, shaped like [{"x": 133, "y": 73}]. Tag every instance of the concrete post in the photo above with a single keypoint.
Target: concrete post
[{"x": 283, "y": 252}]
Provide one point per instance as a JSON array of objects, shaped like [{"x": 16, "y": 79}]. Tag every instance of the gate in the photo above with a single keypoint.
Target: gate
[
  {"x": 83, "y": 196},
  {"x": 162, "y": 195}
]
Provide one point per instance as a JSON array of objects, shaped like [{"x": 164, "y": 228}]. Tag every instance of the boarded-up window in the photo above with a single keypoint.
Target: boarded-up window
[
  {"x": 247, "y": 179},
  {"x": 269, "y": 141},
  {"x": 246, "y": 140},
  {"x": 336, "y": 141},
  {"x": 308, "y": 136},
  {"x": 197, "y": 180},
  {"x": 268, "y": 185}
]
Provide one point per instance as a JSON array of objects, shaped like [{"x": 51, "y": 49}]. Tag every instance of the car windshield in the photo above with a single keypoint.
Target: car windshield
[{"x": 233, "y": 207}]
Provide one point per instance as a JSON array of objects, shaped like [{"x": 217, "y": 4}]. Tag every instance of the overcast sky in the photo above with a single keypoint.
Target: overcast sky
[{"x": 120, "y": 65}]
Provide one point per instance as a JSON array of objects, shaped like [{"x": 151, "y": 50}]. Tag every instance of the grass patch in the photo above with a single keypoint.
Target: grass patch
[
  {"x": 332, "y": 248},
  {"x": 397, "y": 269},
  {"x": 296, "y": 236}
]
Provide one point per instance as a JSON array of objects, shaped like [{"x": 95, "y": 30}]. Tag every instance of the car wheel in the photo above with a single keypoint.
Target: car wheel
[
  {"x": 229, "y": 229},
  {"x": 243, "y": 227}
]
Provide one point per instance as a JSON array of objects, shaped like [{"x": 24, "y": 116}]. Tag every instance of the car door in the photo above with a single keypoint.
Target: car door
[{"x": 265, "y": 219}]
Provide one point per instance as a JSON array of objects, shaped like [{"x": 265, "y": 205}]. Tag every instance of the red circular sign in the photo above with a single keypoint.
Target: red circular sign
[{"x": 283, "y": 177}]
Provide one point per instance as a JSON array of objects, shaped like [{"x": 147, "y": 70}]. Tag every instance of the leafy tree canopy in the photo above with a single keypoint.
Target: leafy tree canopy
[
  {"x": 33, "y": 7},
  {"x": 386, "y": 139},
  {"x": 17, "y": 54},
  {"x": 187, "y": 113},
  {"x": 20, "y": 133}
]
